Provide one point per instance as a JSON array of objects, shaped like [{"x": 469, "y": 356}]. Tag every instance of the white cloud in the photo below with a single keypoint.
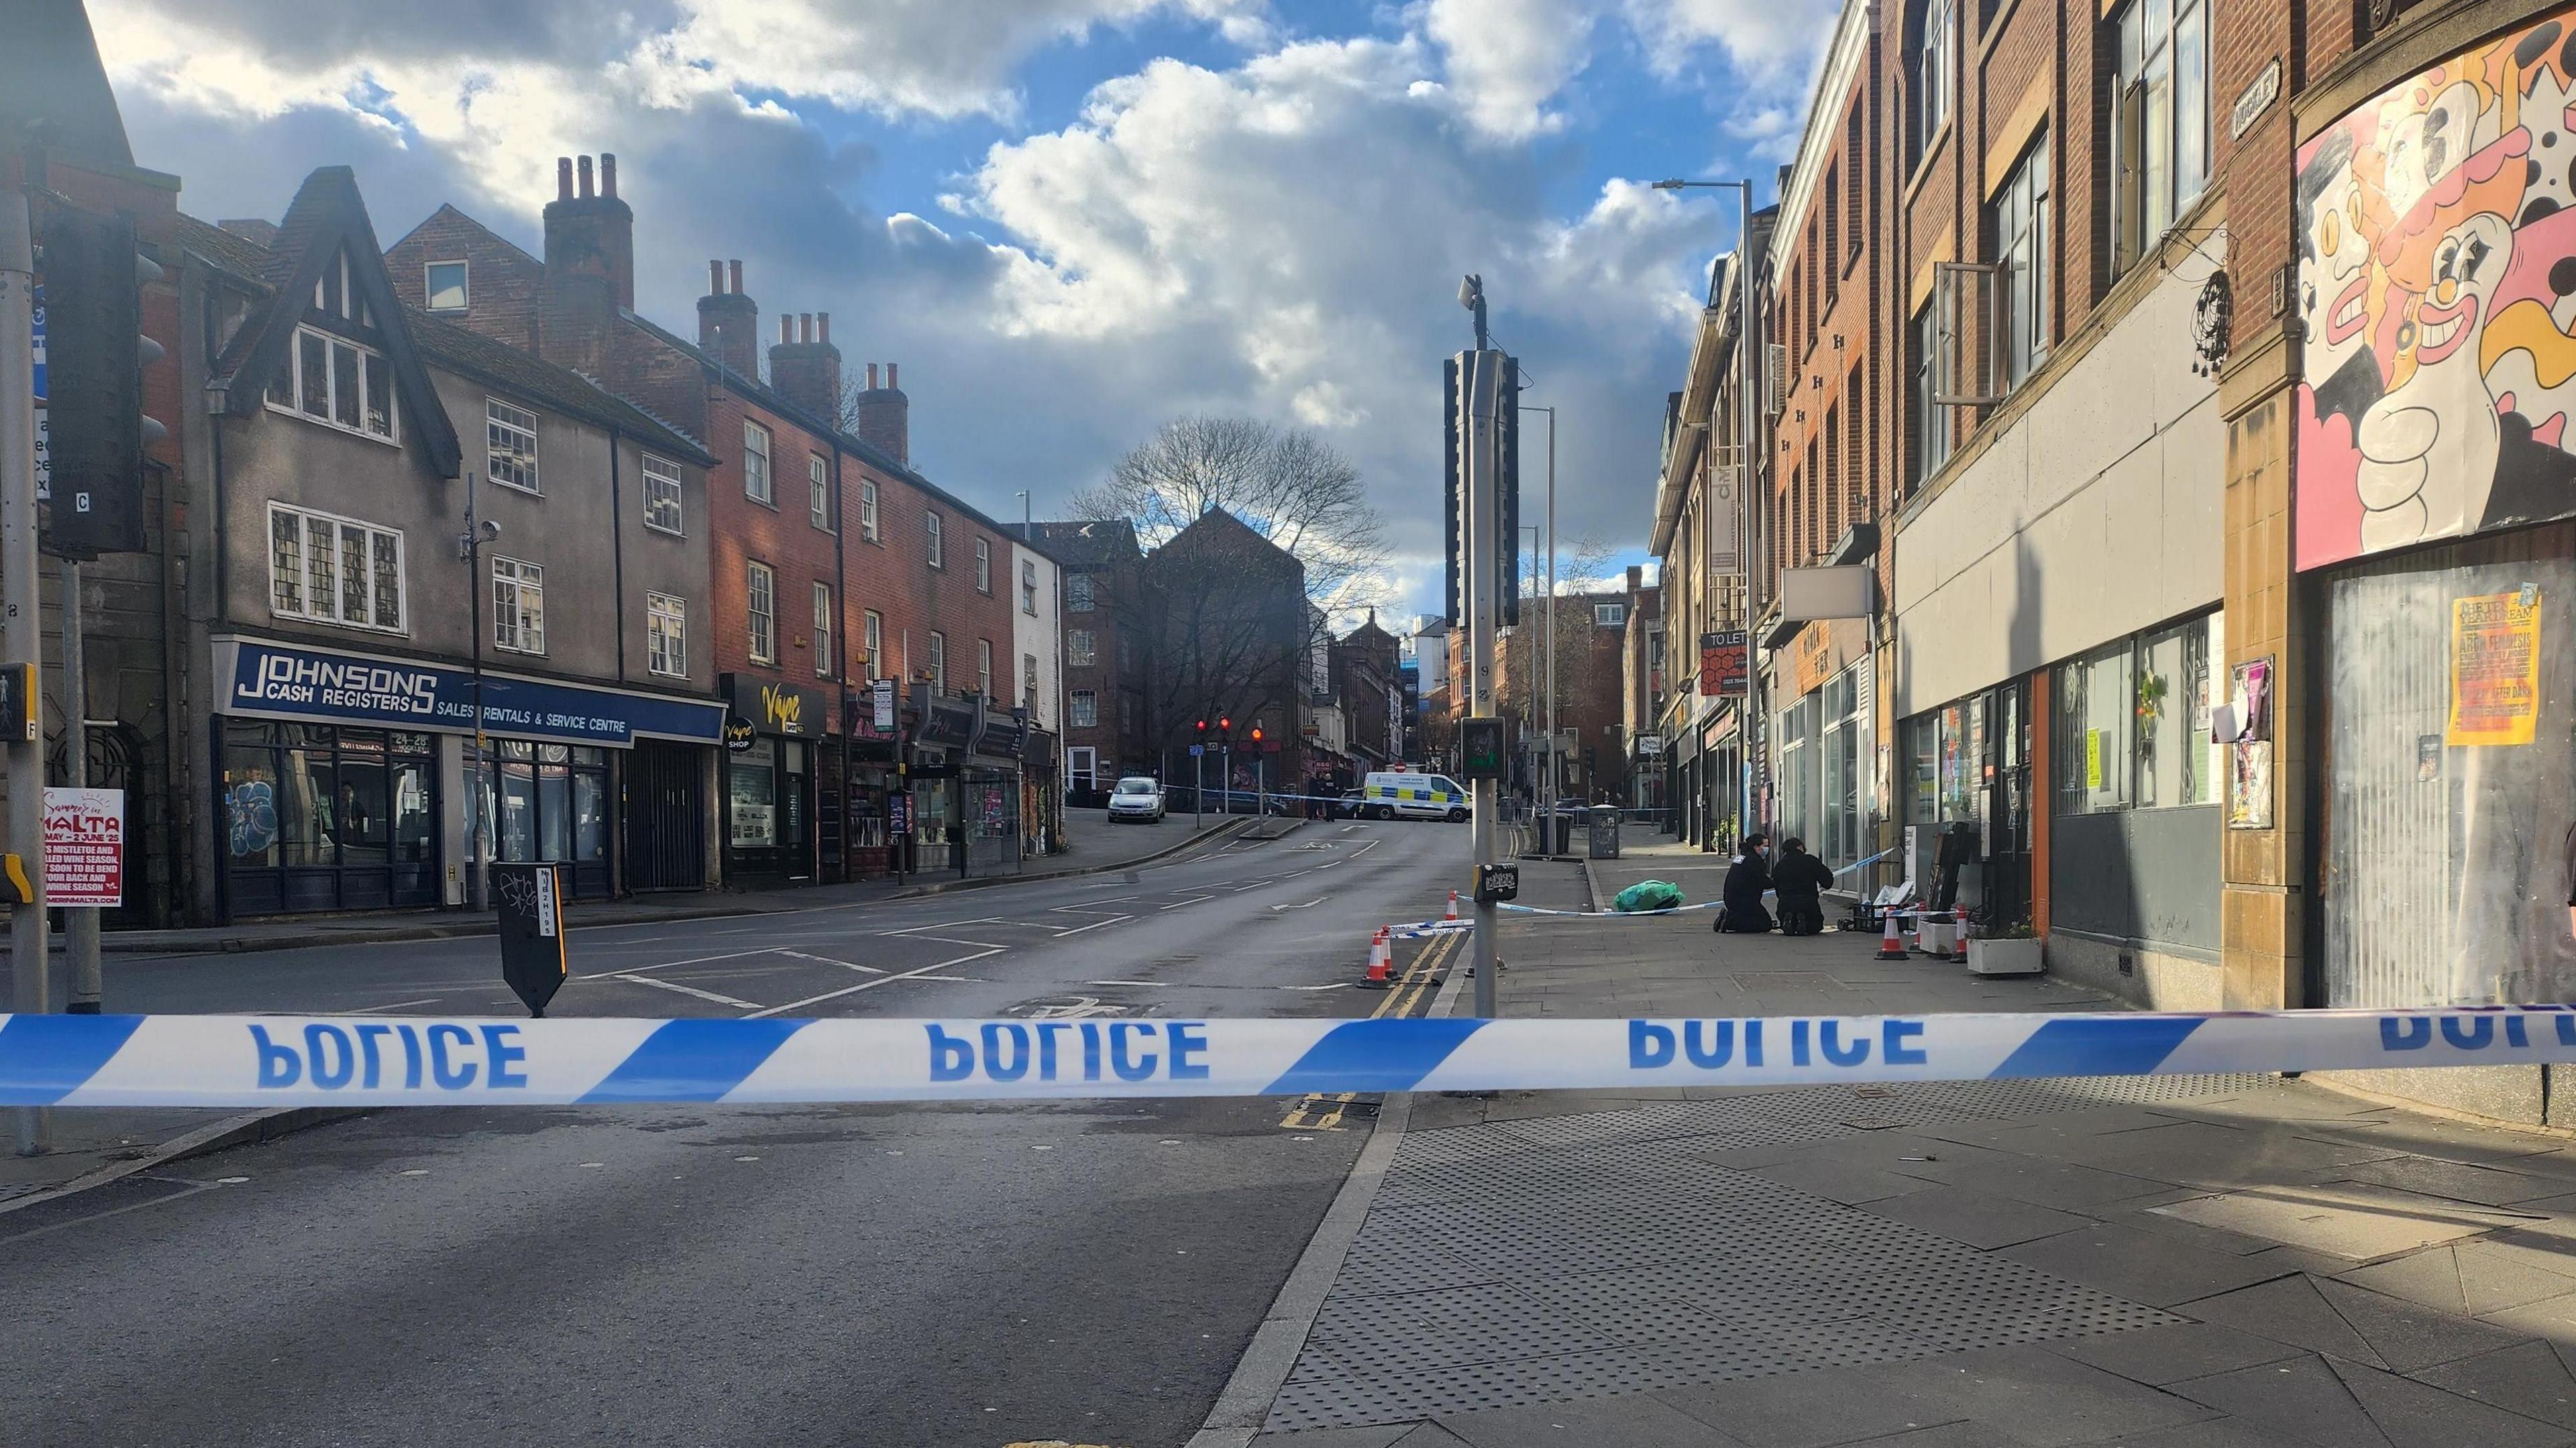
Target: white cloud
[{"x": 1507, "y": 59}]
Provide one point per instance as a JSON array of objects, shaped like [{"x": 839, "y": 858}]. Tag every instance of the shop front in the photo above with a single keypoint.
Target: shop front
[
  {"x": 941, "y": 727},
  {"x": 990, "y": 790},
  {"x": 343, "y": 778},
  {"x": 1041, "y": 796},
  {"x": 775, "y": 733},
  {"x": 871, "y": 720}
]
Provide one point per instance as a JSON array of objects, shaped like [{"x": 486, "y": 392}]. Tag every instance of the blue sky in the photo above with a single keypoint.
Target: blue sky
[{"x": 1069, "y": 219}]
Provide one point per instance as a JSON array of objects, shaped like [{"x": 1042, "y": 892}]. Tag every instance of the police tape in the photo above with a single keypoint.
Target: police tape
[{"x": 290, "y": 1060}]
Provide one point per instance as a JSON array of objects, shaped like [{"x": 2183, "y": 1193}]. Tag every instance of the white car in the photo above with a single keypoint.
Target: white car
[{"x": 1136, "y": 798}]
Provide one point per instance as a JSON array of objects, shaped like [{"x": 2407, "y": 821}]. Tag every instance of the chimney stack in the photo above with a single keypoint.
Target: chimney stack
[
  {"x": 608, "y": 174},
  {"x": 805, "y": 367},
  {"x": 729, "y": 322},
  {"x": 885, "y": 416},
  {"x": 590, "y": 267}
]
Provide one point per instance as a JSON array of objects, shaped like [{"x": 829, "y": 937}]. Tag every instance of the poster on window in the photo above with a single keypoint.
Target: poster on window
[
  {"x": 85, "y": 847},
  {"x": 2495, "y": 668}
]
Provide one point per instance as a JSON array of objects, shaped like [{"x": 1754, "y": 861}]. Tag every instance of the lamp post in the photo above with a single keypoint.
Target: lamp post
[
  {"x": 1547, "y": 804},
  {"x": 1748, "y": 403},
  {"x": 478, "y": 894}
]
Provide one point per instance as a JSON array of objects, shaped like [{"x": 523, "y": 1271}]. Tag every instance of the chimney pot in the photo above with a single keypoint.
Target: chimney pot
[
  {"x": 823, "y": 326},
  {"x": 563, "y": 178},
  {"x": 890, "y": 378},
  {"x": 583, "y": 165},
  {"x": 872, "y": 377},
  {"x": 733, "y": 270},
  {"x": 805, "y": 326},
  {"x": 608, "y": 173},
  {"x": 786, "y": 329},
  {"x": 715, "y": 278}
]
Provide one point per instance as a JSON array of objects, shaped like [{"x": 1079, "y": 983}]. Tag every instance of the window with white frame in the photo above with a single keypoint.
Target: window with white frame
[
  {"x": 337, "y": 383},
  {"x": 510, "y": 434},
  {"x": 2159, "y": 122},
  {"x": 823, "y": 630},
  {"x": 932, "y": 546},
  {"x": 666, "y": 634},
  {"x": 518, "y": 606},
  {"x": 1085, "y": 706},
  {"x": 1077, "y": 593},
  {"x": 939, "y": 659},
  {"x": 2018, "y": 217},
  {"x": 1029, "y": 680},
  {"x": 983, "y": 565},
  {"x": 868, "y": 509},
  {"x": 1931, "y": 419},
  {"x": 760, "y": 602},
  {"x": 1610, "y": 615},
  {"x": 756, "y": 484},
  {"x": 984, "y": 667},
  {"x": 1933, "y": 64},
  {"x": 876, "y": 644},
  {"x": 662, "y": 495},
  {"x": 1028, "y": 586},
  {"x": 818, "y": 480},
  {"x": 443, "y": 286},
  {"x": 334, "y": 570},
  {"x": 1079, "y": 651}
]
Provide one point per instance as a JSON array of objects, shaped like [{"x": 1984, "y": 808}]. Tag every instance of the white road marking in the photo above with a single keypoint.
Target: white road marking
[
  {"x": 1193, "y": 900},
  {"x": 689, "y": 990},
  {"x": 1328, "y": 985},
  {"x": 1096, "y": 924},
  {"x": 871, "y": 984},
  {"x": 1309, "y": 905},
  {"x": 1123, "y": 982},
  {"x": 943, "y": 925},
  {"x": 827, "y": 960},
  {"x": 667, "y": 964},
  {"x": 395, "y": 1006}
]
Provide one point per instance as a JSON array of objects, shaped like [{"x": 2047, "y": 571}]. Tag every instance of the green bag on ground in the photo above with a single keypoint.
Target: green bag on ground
[{"x": 1648, "y": 895}]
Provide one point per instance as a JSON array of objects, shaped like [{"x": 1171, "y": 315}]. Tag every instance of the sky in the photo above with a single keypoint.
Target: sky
[{"x": 1070, "y": 220}]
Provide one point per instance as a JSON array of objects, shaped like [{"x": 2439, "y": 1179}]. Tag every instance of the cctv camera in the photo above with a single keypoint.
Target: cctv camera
[{"x": 491, "y": 529}]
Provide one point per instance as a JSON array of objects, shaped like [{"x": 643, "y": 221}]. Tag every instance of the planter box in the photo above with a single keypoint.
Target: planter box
[
  {"x": 1936, "y": 935},
  {"x": 2004, "y": 957}
]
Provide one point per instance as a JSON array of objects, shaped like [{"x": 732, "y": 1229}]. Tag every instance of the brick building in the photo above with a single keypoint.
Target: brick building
[{"x": 1106, "y": 610}]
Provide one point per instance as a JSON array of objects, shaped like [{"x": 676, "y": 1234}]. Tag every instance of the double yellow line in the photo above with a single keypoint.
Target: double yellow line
[{"x": 1324, "y": 1113}]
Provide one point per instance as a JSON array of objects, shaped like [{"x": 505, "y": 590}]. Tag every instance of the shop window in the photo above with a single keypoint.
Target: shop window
[
  {"x": 1838, "y": 833},
  {"x": 323, "y": 796},
  {"x": 335, "y": 570},
  {"x": 549, "y": 804},
  {"x": 2090, "y": 748},
  {"x": 752, "y": 801},
  {"x": 510, "y": 445},
  {"x": 2133, "y": 720},
  {"x": 662, "y": 510}
]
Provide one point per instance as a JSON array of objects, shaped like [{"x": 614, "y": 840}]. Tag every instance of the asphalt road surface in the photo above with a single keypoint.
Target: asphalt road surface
[{"x": 971, "y": 1275}]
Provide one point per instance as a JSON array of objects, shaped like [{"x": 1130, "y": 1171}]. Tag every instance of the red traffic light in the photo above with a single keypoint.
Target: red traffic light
[
  {"x": 1202, "y": 726},
  {"x": 1224, "y": 723},
  {"x": 1256, "y": 733}
]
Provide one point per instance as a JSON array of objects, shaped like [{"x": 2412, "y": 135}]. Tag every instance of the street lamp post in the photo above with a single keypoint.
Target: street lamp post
[
  {"x": 1547, "y": 804},
  {"x": 478, "y": 894},
  {"x": 1748, "y": 402}
]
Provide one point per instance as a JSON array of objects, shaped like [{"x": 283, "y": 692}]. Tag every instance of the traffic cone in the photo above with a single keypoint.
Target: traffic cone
[
  {"x": 1959, "y": 925},
  {"x": 1380, "y": 973},
  {"x": 1891, "y": 944},
  {"x": 1453, "y": 906}
]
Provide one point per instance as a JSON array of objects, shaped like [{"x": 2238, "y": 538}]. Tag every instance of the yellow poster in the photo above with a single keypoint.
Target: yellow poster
[
  {"x": 2092, "y": 759},
  {"x": 2495, "y": 668}
]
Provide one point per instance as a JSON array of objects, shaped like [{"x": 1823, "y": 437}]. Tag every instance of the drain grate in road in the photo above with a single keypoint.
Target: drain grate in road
[{"x": 1534, "y": 1261}]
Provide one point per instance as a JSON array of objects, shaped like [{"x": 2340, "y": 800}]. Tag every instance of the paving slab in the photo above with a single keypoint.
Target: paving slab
[
  {"x": 1631, "y": 1422},
  {"x": 2141, "y": 1266},
  {"x": 2466, "y": 1279},
  {"x": 1974, "y": 1217},
  {"x": 2357, "y": 1220},
  {"x": 2531, "y": 1378},
  {"x": 2170, "y": 1354}
]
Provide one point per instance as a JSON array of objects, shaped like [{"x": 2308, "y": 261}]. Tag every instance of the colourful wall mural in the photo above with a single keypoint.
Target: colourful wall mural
[{"x": 2437, "y": 288}]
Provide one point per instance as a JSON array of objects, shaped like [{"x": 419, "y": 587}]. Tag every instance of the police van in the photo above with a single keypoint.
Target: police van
[{"x": 1387, "y": 796}]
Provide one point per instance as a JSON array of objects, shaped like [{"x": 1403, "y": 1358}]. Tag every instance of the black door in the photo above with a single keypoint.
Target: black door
[{"x": 665, "y": 818}]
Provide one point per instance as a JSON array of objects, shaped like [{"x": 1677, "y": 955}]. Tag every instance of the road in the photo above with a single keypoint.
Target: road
[{"x": 1086, "y": 1272}]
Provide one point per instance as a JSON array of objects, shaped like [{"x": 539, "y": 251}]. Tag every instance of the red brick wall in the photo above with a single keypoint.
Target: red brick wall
[
  {"x": 500, "y": 280},
  {"x": 741, "y": 531}
]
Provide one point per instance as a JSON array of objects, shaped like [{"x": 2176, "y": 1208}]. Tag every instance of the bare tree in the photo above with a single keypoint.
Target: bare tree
[{"x": 1289, "y": 486}]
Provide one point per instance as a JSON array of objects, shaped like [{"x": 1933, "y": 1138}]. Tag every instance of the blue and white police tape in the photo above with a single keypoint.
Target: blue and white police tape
[{"x": 290, "y": 1060}]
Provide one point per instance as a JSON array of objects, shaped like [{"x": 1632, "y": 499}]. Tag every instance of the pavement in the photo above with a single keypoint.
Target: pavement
[
  {"x": 1098, "y": 846},
  {"x": 974, "y": 1275},
  {"x": 2180, "y": 1262}
]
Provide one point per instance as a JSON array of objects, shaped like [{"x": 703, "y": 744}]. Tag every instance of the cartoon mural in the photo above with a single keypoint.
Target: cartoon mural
[{"x": 2437, "y": 293}]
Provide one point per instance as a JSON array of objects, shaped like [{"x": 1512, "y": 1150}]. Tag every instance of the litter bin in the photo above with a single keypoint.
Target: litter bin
[{"x": 1605, "y": 832}]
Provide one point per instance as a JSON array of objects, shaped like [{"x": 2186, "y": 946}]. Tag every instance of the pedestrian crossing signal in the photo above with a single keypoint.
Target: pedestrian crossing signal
[{"x": 1480, "y": 746}]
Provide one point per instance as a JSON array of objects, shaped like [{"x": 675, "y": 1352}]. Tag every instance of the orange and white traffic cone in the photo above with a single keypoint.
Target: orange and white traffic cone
[
  {"x": 1959, "y": 935},
  {"x": 1380, "y": 963},
  {"x": 1891, "y": 944},
  {"x": 1453, "y": 906}
]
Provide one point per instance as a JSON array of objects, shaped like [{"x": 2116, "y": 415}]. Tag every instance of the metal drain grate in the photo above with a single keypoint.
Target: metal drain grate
[{"x": 1533, "y": 1261}]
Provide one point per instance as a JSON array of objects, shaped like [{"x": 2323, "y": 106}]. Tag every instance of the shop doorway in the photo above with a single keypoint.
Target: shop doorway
[{"x": 666, "y": 846}]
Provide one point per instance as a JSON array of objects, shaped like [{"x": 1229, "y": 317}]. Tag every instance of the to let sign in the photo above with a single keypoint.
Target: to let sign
[
  {"x": 1725, "y": 664},
  {"x": 85, "y": 847}
]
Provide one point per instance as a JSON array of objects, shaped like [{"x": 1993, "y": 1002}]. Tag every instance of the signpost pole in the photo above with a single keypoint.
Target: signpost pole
[
  {"x": 478, "y": 893},
  {"x": 21, "y": 642},
  {"x": 80, "y": 923},
  {"x": 1198, "y": 786},
  {"x": 1483, "y": 515}
]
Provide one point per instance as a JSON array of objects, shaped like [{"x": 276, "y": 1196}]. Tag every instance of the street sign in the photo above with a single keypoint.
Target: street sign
[
  {"x": 1197, "y": 749},
  {"x": 85, "y": 847},
  {"x": 44, "y": 437},
  {"x": 532, "y": 931},
  {"x": 882, "y": 698}
]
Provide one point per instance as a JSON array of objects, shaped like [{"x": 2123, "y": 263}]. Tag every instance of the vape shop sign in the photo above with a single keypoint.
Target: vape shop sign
[{"x": 85, "y": 847}]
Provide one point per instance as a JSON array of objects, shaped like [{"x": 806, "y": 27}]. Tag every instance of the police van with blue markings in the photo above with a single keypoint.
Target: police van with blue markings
[{"x": 1389, "y": 795}]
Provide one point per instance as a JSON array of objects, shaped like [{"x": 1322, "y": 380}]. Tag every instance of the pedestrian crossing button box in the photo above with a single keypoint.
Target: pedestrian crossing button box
[{"x": 1497, "y": 883}]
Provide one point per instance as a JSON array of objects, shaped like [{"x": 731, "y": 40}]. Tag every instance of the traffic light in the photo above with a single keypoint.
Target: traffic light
[
  {"x": 1225, "y": 730},
  {"x": 1256, "y": 739},
  {"x": 95, "y": 354}
]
